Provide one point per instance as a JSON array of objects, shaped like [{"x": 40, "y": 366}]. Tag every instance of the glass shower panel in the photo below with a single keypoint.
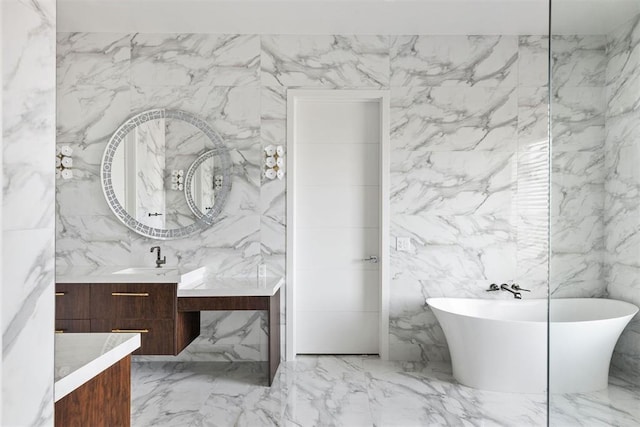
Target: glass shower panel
[{"x": 594, "y": 256}]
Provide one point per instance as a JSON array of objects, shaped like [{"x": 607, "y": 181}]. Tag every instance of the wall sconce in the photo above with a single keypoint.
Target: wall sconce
[
  {"x": 273, "y": 162},
  {"x": 177, "y": 179},
  {"x": 64, "y": 162}
]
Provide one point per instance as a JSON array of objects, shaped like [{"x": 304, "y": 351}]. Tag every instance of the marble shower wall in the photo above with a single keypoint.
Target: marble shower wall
[
  {"x": 578, "y": 166},
  {"x": 622, "y": 184},
  {"x": 532, "y": 222},
  {"x": 466, "y": 113},
  {"x": 28, "y": 138}
]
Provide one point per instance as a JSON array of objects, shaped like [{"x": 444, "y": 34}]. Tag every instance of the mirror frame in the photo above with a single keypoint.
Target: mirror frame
[{"x": 200, "y": 224}]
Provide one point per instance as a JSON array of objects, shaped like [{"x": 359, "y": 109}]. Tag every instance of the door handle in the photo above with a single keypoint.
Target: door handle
[{"x": 372, "y": 259}]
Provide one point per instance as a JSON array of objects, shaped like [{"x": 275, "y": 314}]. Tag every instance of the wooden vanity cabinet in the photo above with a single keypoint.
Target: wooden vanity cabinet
[
  {"x": 72, "y": 308},
  {"x": 134, "y": 300},
  {"x": 150, "y": 309}
]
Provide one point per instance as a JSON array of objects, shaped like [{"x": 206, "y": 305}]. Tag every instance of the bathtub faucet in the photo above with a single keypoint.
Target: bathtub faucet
[
  {"x": 517, "y": 287},
  {"x": 516, "y": 294},
  {"x": 493, "y": 287}
]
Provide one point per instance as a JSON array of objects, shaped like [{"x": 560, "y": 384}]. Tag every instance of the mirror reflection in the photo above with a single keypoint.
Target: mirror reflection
[{"x": 203, "y": 182}]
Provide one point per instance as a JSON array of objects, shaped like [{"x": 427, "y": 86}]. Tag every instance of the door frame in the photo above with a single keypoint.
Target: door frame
[{"x": 382, "y": 97}]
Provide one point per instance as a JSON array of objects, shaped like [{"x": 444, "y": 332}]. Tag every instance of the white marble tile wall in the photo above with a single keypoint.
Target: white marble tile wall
[
  {"x": 578, "y": 166},
  {"x": 577, "y": 163},
  {"x": 533, "y": 165},
  {"x": 622, "y": 185},
  {"x": 28, "y": 150},
  {"x": 458, "y": 119},
  {"x": 325, "y": 61},
  {"x": 454, "y": 125}
]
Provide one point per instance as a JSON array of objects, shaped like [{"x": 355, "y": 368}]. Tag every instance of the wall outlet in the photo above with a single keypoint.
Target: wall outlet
[{"x": 403, "y": 244}]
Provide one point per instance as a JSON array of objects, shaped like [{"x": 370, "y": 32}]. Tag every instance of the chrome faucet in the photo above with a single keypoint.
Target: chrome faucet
[
  {"x": 516, "y": 294},
  {"x": 517, "y": 287},
  {"x": 159, "y": 261},
  {"x": 514, "y": 289}
]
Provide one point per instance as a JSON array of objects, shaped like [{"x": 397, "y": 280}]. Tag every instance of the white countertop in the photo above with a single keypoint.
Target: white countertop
[
  {"x": 192, "y": 282},
  {"x": 213, "y": 286},
  {"x": 80, "y": 357},
  {"x": 92, "y": 274}
]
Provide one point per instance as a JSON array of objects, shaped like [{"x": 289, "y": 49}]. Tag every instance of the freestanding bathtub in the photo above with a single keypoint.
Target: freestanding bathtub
[{"x": 502, "y": 345}]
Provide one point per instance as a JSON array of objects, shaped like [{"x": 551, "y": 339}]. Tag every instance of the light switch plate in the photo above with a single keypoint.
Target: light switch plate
[{"x": 403, "y": 244}]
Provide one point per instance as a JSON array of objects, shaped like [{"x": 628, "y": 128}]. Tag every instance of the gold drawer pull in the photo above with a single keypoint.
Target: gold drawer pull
[
  {"x": 60, "y": 331},
  {"x": 59, "y": 294},
  {"x": 130, "y": 294},
  {"x": 140, "y": 331}
]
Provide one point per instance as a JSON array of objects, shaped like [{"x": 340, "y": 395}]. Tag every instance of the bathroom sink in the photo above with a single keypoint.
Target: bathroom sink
[
  {"x": 146, "y": 270},
  {"x": 185, "y": 277}
]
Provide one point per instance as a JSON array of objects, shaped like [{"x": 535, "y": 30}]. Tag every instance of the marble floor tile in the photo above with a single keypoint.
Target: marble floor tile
[
  {"x": 355, "y": 391},
  {"x": 618, "y": 405}
]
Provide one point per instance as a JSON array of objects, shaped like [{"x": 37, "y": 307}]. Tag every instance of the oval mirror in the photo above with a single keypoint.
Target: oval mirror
[{"x": 143, "y": 174}]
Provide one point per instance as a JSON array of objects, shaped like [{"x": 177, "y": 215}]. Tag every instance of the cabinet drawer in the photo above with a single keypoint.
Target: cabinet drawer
[
  {"x": 133, "y": 301},
  {"x": 73, "y": 325},
  {"x": 72, "y": 301},
  {"x": 157, "y": 336}
]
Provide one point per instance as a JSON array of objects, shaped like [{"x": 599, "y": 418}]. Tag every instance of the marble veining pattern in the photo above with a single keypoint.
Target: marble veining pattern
[
  {"x": 578, "y": 118},
  {"x": 325, "y": 61},
  {"x": 150, "y": 158},
  {"x": 475, "y": 247},
  {"x": 451, "y": 183},
  {"x": 577, "y": 184},
  {"x": 533, "y": 61},
  {"x": 453, "y": 118},
  {"x": 489, "y": 61},
  {"x": 533, "y": 119},
  {"x": 354, "y": 391},
  {"x": 622, "y": 186},
  {"x": 225, "y": 336},
  {"x": 531, "y": 200},
  {"x": 578, "y": 166},
  {"x": 89, "y": 59},
  {"x": 455, "y": 109},
  {"x": 532, "y": 222},
  {"x": 195, "y": 60},
  {"x": 28, "y": 37},
  {"x": 578, "y": 61}
]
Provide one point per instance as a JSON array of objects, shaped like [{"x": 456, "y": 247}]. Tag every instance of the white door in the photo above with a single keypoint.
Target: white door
[{"x": 337, "y": 244}]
